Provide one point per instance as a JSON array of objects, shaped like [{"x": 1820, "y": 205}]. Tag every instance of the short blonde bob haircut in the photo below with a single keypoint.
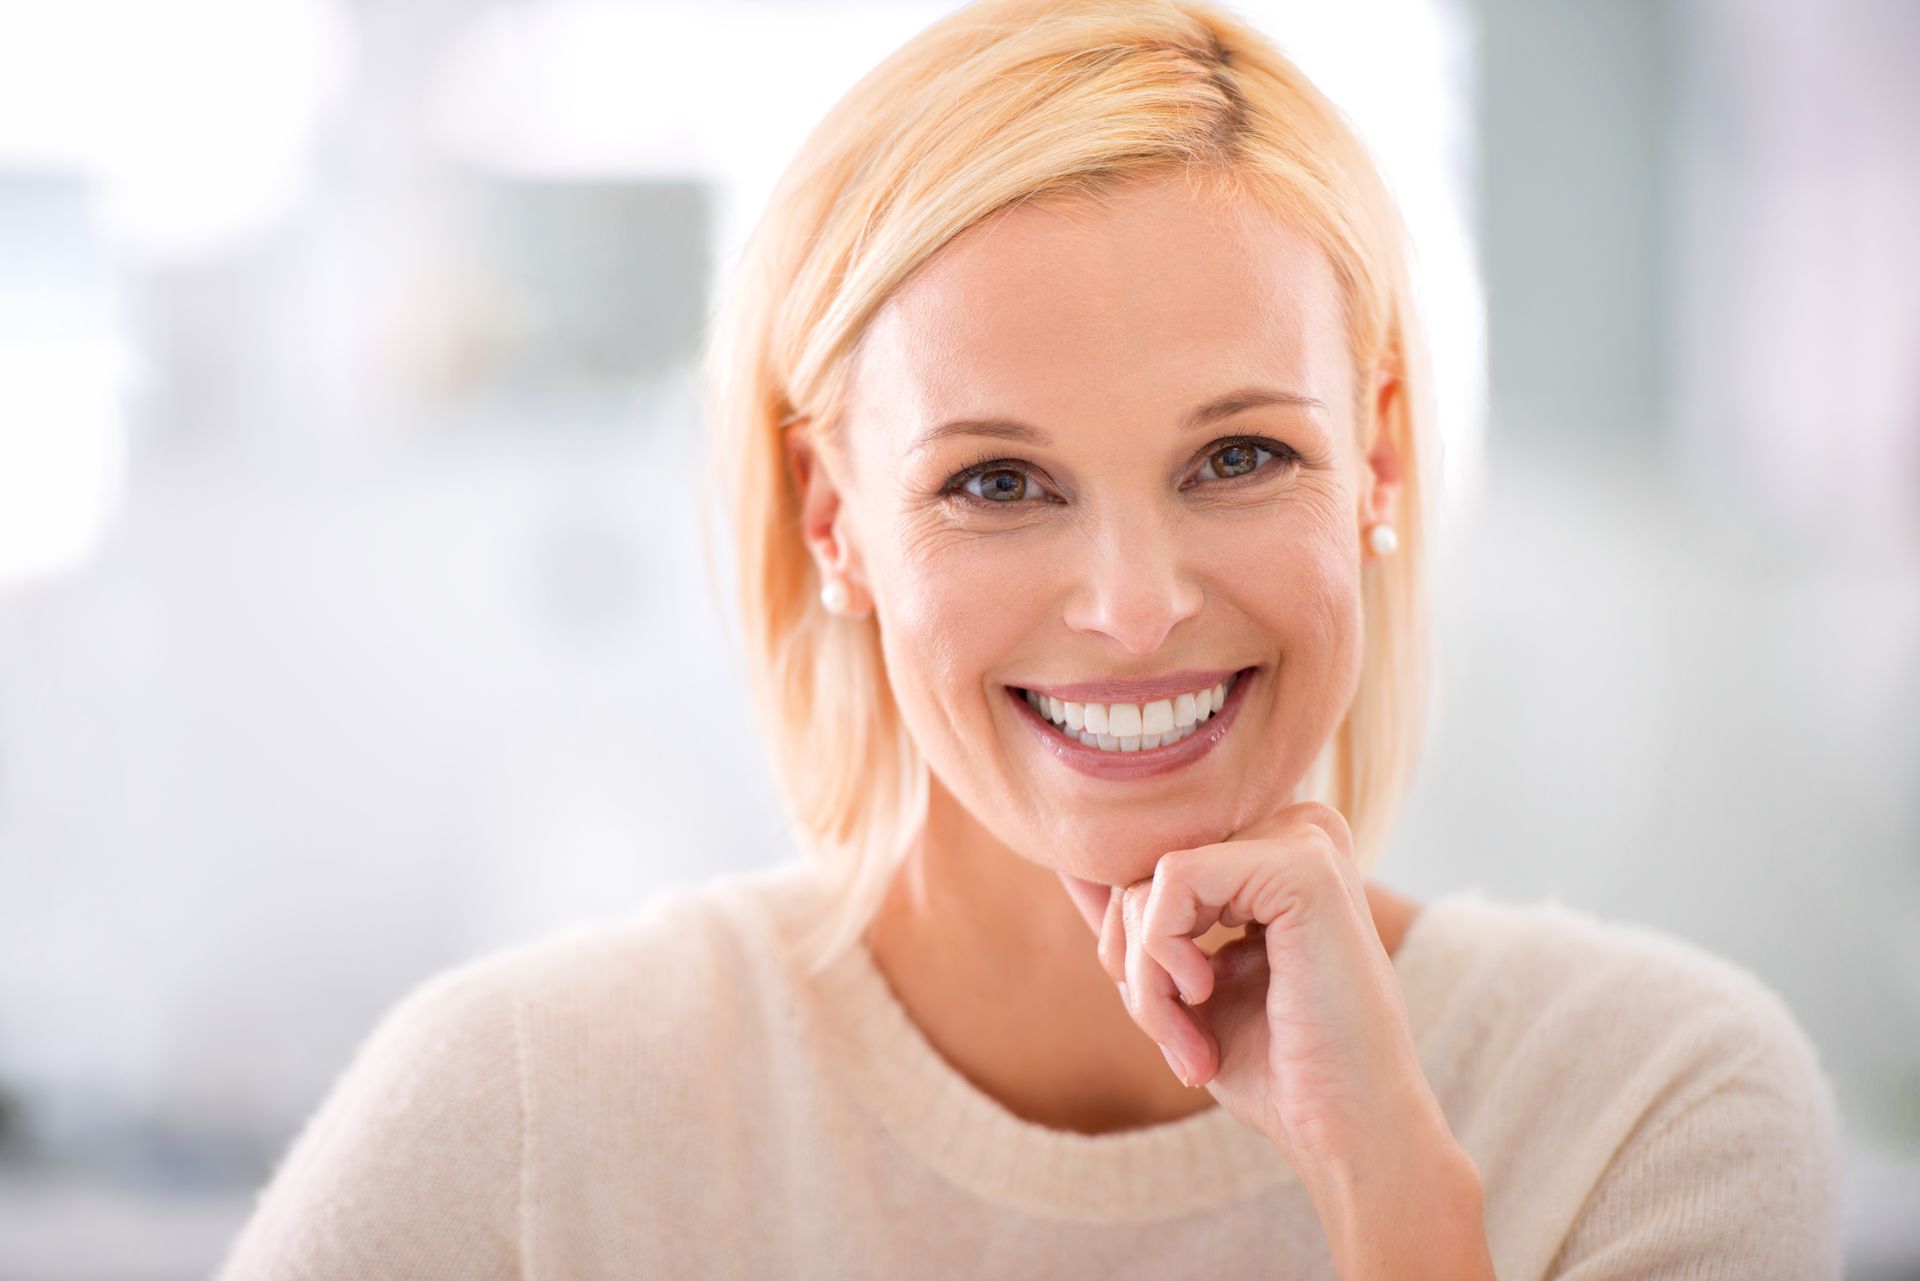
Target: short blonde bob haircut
[{"x": 1003, "y": 102}]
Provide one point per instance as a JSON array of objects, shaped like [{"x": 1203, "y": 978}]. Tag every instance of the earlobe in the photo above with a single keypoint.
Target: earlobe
[
  {"x": 1384, "y": 461},
  {"x": 821, "y": 517},
  {"x": 819, "y": 501},
  {"x": 809, "y": 480}
]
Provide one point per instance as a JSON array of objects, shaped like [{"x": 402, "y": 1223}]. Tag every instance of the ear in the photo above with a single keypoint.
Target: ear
[
  {"x": 823, "y": 517},
  {"x": 1382, "y": 478}
]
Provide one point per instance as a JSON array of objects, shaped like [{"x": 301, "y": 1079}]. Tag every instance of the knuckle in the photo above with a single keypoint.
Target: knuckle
[
  {"x": 1329, "y": 822},
  {"x": 1284, "y": 889},
  {"x": 1175, "y": 865},
  {"x": 1153, "y": 907},
  {"x": 1323, "y": 862},
  {"x": 1314, "y": 811}
]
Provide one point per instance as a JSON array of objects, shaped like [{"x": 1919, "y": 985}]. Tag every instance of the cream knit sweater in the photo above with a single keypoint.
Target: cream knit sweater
[{"x": 663, "y": 1095}]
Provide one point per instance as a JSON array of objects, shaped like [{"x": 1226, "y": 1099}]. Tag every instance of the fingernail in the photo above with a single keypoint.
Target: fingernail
[
  {"x": 1123, "y": 992},
  {"x": 1174, "y": 1063}
]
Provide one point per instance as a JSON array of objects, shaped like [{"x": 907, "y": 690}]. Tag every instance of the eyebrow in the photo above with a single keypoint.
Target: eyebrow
[{"x": 1213, "y": 411}]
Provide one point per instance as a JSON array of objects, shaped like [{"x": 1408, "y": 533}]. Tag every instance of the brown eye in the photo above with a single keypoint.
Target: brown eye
[
  {"x": 1247, "y": 456},
  {"x": 1234, "y": 460},
  {"x": 1001, "y": 485},
  {"x": 998, "y": 482}
]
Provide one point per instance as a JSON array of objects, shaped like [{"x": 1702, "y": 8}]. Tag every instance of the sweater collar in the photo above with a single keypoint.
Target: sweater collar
[{"x": 1197, "y": 1163}]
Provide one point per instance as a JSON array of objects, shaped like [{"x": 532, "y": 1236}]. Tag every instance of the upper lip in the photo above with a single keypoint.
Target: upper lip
[{"x": 1145, "y": 689}]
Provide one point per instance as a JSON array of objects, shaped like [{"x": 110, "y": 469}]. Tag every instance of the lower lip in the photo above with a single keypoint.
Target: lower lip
[{"x": 1098, "y": 763}]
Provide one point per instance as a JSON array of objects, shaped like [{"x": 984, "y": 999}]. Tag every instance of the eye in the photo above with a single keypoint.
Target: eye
[
  {"x": 999, "y": 485},
  {"x": 1231, "y": 459},
  {"x": 1000, "y": 482}
]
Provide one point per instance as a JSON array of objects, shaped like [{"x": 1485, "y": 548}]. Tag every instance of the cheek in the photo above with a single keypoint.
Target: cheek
[
  {"x": 1299, "y": 580},
  {"x": 954, "y": 609}
]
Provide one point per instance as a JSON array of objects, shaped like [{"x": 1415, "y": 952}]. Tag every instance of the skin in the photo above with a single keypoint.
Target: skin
[{"x": 1130, "y": 551}]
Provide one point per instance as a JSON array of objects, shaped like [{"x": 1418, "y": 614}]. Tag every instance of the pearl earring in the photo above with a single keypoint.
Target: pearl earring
[
  {"x": 1382, "y": 539},
  {"x": 834, "y": 596}
]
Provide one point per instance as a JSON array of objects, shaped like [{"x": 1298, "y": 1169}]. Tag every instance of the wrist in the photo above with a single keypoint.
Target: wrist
[{"x": 1415, "y": 1210}]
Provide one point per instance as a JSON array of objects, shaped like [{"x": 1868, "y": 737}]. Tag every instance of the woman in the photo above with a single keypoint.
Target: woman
[{"x": 1072, "y": 411}]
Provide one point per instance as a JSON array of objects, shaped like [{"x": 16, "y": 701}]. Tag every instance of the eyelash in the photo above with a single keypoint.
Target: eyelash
[{"x": 956, "y": 485}]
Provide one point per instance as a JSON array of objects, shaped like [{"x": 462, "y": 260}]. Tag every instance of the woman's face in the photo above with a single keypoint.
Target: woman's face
[{"x": 1108, "y": 452}]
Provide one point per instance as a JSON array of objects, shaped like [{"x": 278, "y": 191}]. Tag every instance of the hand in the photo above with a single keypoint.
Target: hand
[{"x": 1299, "y": 1029}]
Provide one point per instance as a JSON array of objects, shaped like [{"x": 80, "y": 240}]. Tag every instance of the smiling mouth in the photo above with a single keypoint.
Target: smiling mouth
[{"x": 1132, "y": 727}]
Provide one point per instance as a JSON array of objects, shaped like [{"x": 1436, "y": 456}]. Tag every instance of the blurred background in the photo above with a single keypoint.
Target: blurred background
[{"x": 352, "y": 618}]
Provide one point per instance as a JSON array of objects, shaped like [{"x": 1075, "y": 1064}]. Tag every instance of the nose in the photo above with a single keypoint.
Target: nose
[{"x": 1135, "y": 587}]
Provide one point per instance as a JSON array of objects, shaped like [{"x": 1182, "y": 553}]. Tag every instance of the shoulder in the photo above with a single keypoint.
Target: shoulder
[
  {"x": 473, "y": 1037},
  {"x": 669, "y": 954},
  {"x": 660, "y": 1017},
  {"x": 665, "y": 963},
  {"x": 416, "y": 1160},
  {"x": 1536, "y": 975},
  {"x": 1689, "y": 1109}
]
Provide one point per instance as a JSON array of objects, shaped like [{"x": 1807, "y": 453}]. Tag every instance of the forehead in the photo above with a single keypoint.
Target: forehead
[{"x": 1131, "y": 309}]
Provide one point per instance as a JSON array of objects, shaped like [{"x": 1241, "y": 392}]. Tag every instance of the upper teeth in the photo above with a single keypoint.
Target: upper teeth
[{"x": 1129, "y": 727}]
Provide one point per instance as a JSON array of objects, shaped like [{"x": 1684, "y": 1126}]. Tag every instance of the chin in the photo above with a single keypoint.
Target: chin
[{"x": 1121, "y": 853}]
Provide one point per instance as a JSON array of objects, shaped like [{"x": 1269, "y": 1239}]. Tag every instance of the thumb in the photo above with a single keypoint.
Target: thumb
[{"x": 1089, "y": 896}]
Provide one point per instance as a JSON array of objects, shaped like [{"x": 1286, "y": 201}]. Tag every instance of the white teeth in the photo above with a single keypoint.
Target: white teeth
[
  {"x": 1157, "y": 717},
  {"x": 1132, "y": 727}
]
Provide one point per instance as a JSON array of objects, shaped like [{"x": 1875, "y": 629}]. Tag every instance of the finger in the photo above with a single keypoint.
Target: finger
[
  {"x": 1264, "y": 883},
  {"x": 1090, "y": 897},
  {"x": 1113, "y": 938},
  {"x": 1327, "y": 830},
  {"x": 1172, "y": 915},
  {"x": 1154, "y": 1001}
]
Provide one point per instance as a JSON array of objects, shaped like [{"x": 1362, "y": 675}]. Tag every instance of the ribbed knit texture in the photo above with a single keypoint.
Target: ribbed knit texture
[{"x": 664, "y": 1095}]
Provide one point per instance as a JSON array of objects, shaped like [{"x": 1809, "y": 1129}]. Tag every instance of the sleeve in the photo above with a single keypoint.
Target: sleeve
[
  {"x": 410, "y": 1167},
  {"x": 1742, "y": 1178}
]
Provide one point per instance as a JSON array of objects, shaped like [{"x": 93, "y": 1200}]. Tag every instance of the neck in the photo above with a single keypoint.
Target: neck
[{"x": 994, "y": 963}]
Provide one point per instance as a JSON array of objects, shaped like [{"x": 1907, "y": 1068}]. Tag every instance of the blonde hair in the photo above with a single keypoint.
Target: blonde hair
[{"x": 1003, "y": 102}]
